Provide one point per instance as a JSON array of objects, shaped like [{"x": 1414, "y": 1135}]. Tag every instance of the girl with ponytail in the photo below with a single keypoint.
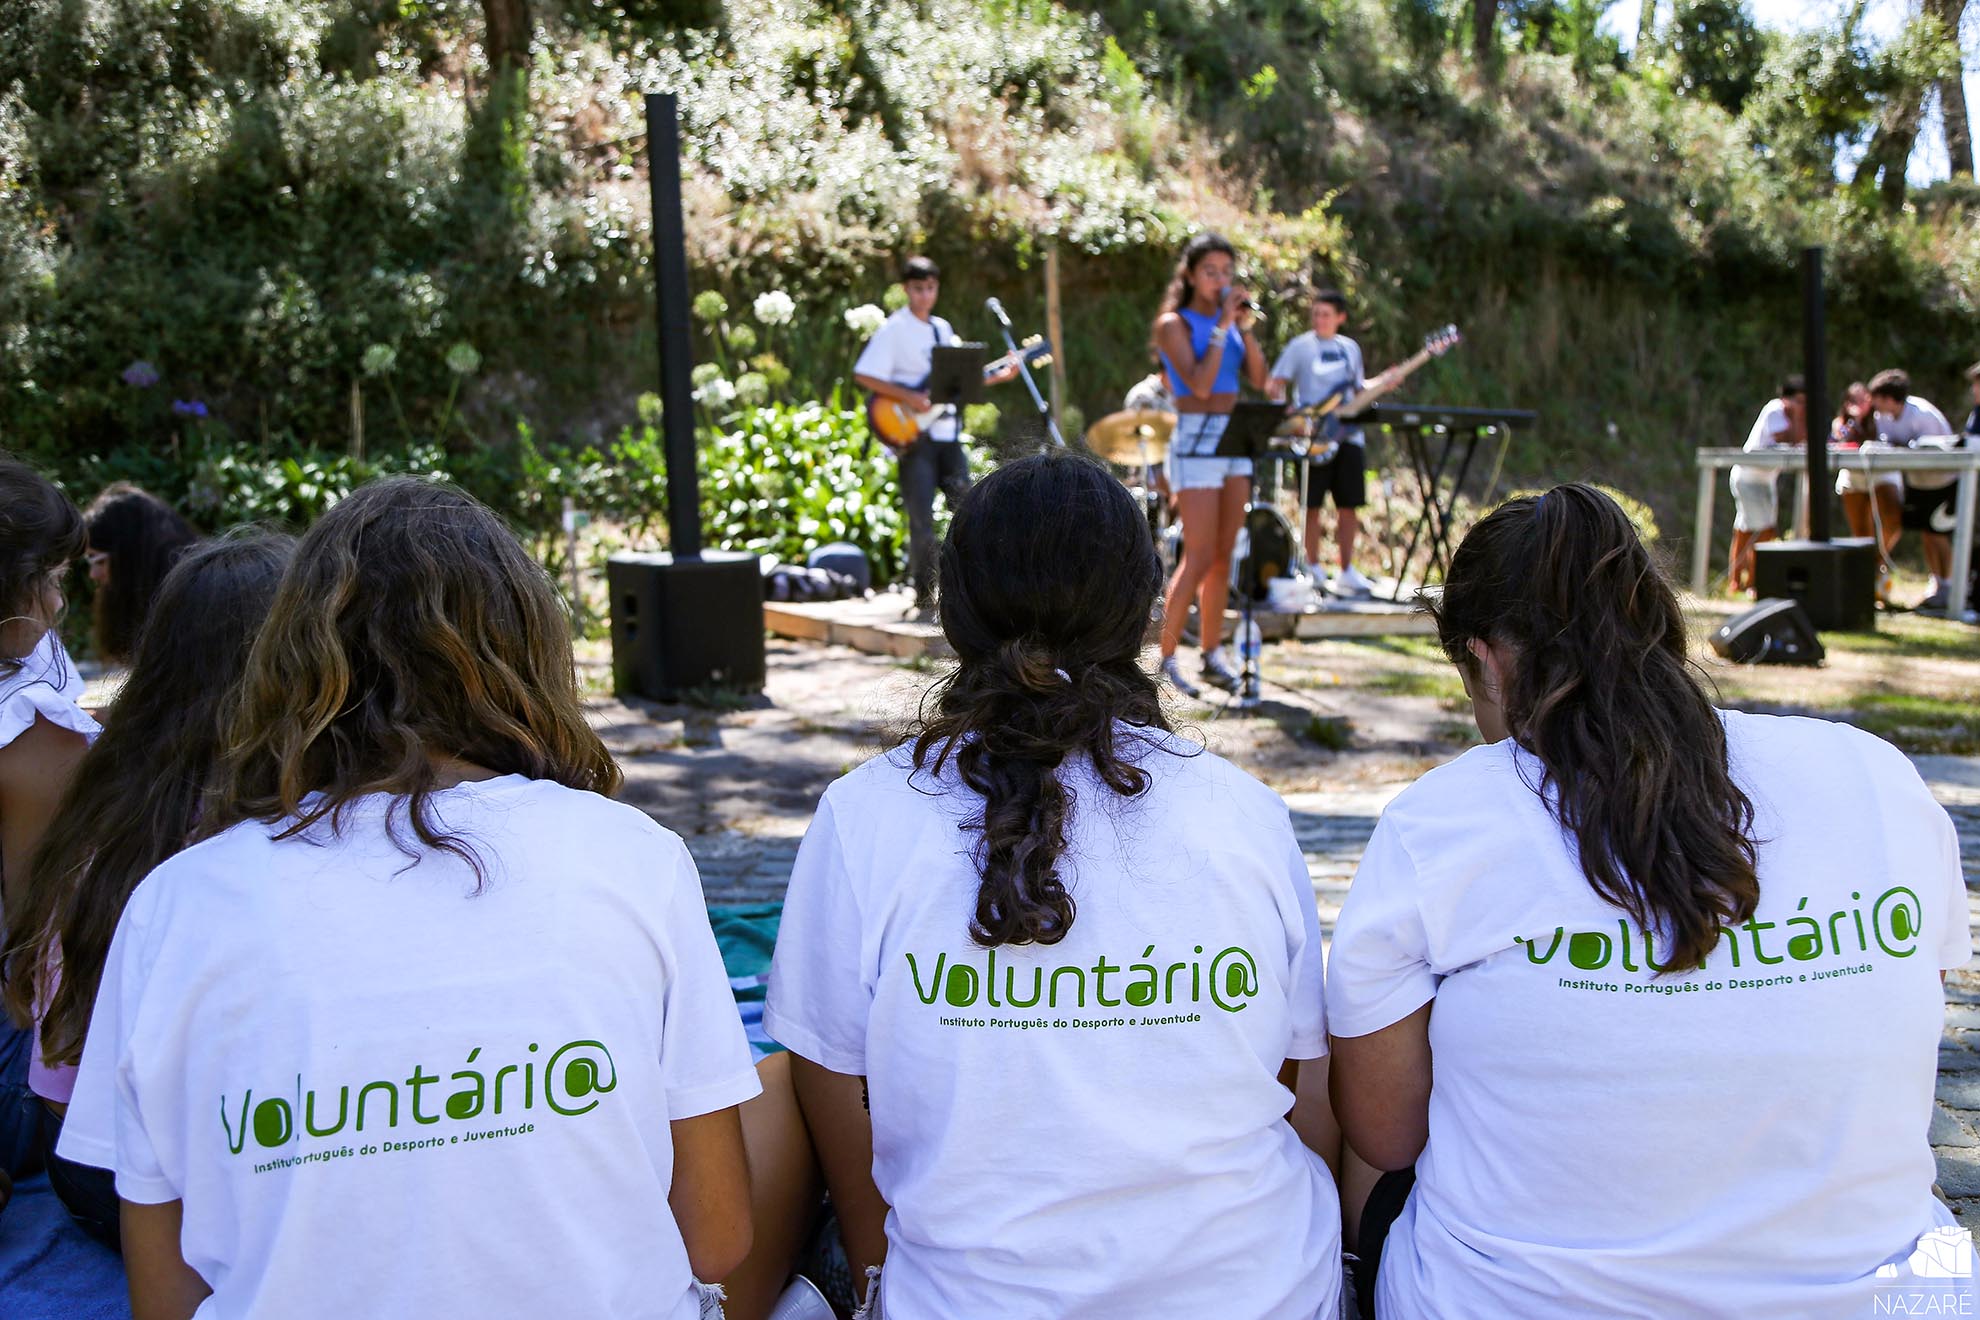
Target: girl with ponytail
[
  {"x": 1048, "y": 1042},
  {"x": 1677, "y": 968}
]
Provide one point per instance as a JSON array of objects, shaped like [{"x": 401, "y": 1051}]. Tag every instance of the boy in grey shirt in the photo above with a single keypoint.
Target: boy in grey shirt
[
  {"x": 1902, "y": 418},
  {"x": 1314, "y": 365}
]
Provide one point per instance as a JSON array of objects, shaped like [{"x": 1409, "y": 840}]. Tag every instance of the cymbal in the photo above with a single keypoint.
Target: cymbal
[{"x": 1134, "y": 435}]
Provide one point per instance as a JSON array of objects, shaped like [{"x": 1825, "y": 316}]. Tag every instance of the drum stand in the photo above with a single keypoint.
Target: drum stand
[
  {"x": 1246, "y": 699},
  {"x": 1248, "y": 435}
]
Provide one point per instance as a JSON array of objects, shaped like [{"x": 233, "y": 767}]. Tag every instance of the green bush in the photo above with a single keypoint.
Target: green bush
[{"x": 784, "y": 479}]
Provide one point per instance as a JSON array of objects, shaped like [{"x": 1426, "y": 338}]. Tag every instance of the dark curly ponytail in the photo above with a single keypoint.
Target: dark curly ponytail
[
  {"x": 1603, "y": 694},
  {"x": 1048, "y": 581}
]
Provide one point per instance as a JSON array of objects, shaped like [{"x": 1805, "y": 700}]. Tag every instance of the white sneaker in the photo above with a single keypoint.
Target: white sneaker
[
  {"x": 1172, "y": 671},
  {"x": 1352, "y": 582},
  {"x": 1217, "y": 671},
  {"x": 1318, "y": 573}
]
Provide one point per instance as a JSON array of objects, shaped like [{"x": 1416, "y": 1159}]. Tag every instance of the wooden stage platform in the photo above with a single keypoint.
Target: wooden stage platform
[{"x": 875, "y": 625}]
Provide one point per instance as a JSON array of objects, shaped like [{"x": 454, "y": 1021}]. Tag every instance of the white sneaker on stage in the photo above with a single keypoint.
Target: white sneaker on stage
[
  {"x": 1353, "y": 583},
  {"x": 1217, "y": 671},
  {"x": 1172, "y": 672}
]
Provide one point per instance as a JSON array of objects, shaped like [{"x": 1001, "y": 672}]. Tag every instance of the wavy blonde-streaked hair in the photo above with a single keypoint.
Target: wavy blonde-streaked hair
[{"x": 410, "y": 625}]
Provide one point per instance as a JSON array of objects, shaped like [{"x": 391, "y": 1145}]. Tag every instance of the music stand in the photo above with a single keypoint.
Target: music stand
[
  {"x": 955, "y": 376},
  {"x": 1247, "y": 435}
]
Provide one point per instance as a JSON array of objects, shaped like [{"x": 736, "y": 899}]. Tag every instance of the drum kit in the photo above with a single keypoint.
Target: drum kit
[{"x": 1267, "y": 548}]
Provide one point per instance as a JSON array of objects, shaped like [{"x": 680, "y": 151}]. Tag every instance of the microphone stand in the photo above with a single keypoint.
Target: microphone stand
[{"x": 1044, "y": 408}]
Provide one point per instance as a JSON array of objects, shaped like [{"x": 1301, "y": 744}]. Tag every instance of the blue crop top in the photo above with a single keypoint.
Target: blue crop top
[{"x": 1200, "y": 327}]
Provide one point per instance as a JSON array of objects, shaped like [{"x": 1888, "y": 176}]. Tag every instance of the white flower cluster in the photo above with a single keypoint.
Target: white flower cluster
[
  {"x": 775, "y": 307},
  {"x": 865, "y": 318},
  {"x": 717, "y": 393}
]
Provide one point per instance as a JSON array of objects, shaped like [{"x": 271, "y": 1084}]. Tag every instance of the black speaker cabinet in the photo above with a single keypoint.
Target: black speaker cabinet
[
  {"x": 1834, "y": 581},
  {"x": 1774, "y": 632},
  {"x": 687, "y": 623}
]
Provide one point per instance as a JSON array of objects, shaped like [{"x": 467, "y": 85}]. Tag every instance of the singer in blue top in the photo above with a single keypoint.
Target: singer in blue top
[{"x": 1202, "y": 335}]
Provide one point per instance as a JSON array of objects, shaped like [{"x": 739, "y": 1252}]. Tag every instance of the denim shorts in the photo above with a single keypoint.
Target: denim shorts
[{"x": 1193, "y": 464}]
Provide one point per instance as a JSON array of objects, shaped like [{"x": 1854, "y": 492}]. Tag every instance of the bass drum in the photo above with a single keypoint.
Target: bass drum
[{"x": 1266, "y": 548}]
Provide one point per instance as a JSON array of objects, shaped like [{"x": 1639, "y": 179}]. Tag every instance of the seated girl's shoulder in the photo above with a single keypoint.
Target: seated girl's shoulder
[
  {"x": 23, "y": 701},
  {"x": 579, "y": 818},
  {"x": 1808, "y": 744}
]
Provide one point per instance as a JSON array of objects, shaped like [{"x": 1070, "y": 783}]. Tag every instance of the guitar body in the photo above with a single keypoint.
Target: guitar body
[
  {"x": 894, "y": 424},
  {"x": 898, "y": 426},
  {"x": 1324, "y": 419}
]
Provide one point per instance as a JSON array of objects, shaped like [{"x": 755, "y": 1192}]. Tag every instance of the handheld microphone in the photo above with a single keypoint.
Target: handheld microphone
[{"x": 997, "y": 310}]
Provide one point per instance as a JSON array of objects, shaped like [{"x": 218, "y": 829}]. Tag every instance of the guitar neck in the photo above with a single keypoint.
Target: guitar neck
[{"x": 1397, "y": 375}]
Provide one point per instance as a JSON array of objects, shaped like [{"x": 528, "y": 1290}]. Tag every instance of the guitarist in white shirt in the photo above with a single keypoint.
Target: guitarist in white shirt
[
  {"x": 1314, "y": 365},
  {"x": 895, "y": 364}
]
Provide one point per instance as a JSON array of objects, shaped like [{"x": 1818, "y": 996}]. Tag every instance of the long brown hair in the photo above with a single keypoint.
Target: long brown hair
[
  {"x": 1603, "y": 694},
  {"x": 1049, "y": 578},
  {"x": 144, "y": 536},
  {"x": 410, "y": 626},
  {"x": 40, "y": 531},
  {"x": 135, "y": 797}
]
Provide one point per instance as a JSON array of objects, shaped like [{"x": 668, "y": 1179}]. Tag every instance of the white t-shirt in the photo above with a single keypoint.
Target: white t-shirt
[
  {"x": 1768, "y": 428},
  {"x": 379, "y": 1092},
  {"x": 44, "y": 683},
  {"x": 1317, "y": 367},
  {"x": 1090, "y": 1129},
  {"x": 1918, "y": 421},
  {"x": 902, "y": 351},
  {"x": 1744, "y": 1140}
]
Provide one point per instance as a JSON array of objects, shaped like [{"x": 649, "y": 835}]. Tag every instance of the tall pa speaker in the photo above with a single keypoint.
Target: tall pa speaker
[
  {"x": 1774, "y": 632},
  {"x": 680, "y": 624},
  {"x": 1834, "y": 581}
]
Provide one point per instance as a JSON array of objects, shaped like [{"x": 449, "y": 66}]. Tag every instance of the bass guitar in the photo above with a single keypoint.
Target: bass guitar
[
  {"x": 897, "y": 425},
  {"x": 1315, "y": 431}
]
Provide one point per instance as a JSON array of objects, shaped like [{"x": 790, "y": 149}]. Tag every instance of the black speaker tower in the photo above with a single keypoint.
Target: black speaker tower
[{"x": 692, "y": 618}]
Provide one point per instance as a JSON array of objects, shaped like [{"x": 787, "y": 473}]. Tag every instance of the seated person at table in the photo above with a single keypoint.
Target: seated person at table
[
  {"x": 1903, "y": 418},
  {"x": 1756, "y": 491}
]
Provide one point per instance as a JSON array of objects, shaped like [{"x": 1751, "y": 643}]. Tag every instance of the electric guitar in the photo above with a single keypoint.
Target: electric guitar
[
  {"x": 1316, "y": 430},
  {"x": 897, "y": 426}
]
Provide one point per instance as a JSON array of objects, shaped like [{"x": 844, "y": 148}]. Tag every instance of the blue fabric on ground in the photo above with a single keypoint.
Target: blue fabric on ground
[
  {"x": 747, "y": 935},
  {"x": 51, "y": 1270}
]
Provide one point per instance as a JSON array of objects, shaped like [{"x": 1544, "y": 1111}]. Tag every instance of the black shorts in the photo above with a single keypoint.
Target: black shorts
[
  {"x": 1385, "y": 1204},
  {"x": 1344, "y": 476},
  {"x": 1930, "y": 510}
]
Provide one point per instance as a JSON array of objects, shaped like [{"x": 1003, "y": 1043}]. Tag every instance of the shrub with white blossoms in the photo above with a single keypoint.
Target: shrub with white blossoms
[
  {"x": 775, "y": 307},
  {"x": 717, "y": 393},
  {"x": 865, "y": 318}
]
